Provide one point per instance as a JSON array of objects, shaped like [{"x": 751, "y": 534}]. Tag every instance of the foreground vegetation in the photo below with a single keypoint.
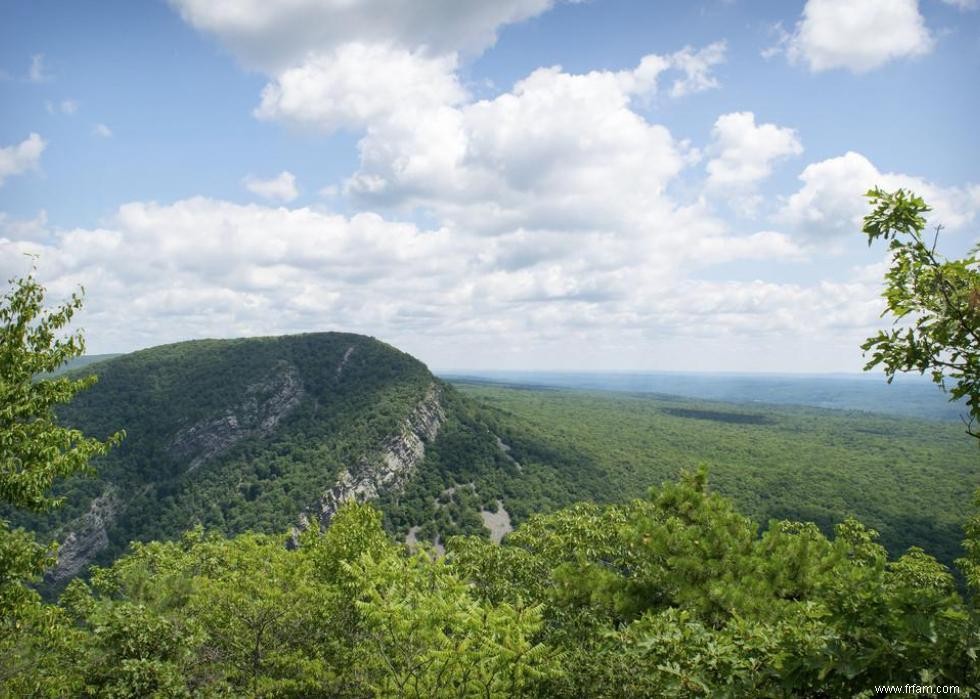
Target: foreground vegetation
[{"x": 673, "y": 595}]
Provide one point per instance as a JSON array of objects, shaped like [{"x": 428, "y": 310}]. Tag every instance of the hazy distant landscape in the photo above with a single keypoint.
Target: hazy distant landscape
[{"x": 909, "y": 396}]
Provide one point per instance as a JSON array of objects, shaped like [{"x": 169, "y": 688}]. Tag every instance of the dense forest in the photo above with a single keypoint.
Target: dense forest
[
  {"x": 237, "y": 435},
  {"x": 679, "y": 590},
  {"x": 911, "y": 480}
]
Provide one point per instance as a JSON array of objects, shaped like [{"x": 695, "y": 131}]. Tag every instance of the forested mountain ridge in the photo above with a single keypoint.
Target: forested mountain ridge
[{"x": 240, "y": 435}]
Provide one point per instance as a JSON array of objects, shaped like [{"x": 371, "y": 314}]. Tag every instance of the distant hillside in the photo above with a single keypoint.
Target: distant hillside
[
  {"x": 908, "y": 396},
  {"x": 241, "y": 435},
  {"x": 83, "y": 361}
]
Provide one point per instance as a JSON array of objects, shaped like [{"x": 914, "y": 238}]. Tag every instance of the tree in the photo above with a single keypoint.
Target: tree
[
  {"x": 34, "y": 451},
  {"x": 935, "y": 302},
  {"x": 34, "y": 448}
]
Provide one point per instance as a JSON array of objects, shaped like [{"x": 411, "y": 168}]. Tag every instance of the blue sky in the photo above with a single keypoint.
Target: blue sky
[{"x": 527, "y": 184}]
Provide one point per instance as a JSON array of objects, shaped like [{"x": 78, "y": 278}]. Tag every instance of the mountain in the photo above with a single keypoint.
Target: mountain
[{"x": 253, "y": 434}]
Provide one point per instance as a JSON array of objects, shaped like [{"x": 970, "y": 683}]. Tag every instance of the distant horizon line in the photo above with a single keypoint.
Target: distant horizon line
[{"x": 476, "y": 373}]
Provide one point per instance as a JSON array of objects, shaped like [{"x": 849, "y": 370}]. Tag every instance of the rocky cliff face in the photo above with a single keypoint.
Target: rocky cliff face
[
  {"x": 266, "y": 403},
  {"x": 399, "y": 459},
  {"x": 87, "y": 536}
]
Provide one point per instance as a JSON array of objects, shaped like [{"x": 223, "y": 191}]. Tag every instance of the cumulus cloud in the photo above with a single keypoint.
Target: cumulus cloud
[
  {"x": 282, "y": 187},
  {"x": 559, "y": 150},
  {"x": 744, "y": 153},
  {"x": 555, "y": 221},
  {"x": 102, "y": 131},
  {"x": 359, "y": 84},
  {"x": 276, "y": 35},
  {"x": 857, "y": 36},
  {"x": 20, "y": 158},
  {"x": 202, "y": 267},
  {"x": 24, "y": 229},
  {"x": 831, "y": 203},
  {"x": 556, "y": 152}
]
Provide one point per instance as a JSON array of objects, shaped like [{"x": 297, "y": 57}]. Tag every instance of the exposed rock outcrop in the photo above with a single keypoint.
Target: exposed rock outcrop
[
  {"x": 497, "y": 522},
  {"x": 266, "y": 403},
  {"x": 505, "y": 449},
  {"x": 87, "y": 536},
  {"x": 398, "y": 461},
  {"x": 343, "y": 360}
]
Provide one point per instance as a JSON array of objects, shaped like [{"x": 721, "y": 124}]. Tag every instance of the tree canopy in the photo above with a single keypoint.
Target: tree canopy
[
  {"x": 34, "y": 451},
  {"x": 934, "y": 301}
]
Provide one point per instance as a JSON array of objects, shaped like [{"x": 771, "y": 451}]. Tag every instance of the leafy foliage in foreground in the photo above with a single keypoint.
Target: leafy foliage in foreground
[
  {"x": 35, "y": 449},
  {"x": 935, "y": 303},
  {"x": 674, "y": 595}
]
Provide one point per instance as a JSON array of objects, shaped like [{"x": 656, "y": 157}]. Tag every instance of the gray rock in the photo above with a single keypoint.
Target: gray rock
[
  {"x": 87, "y": 536},
  {"x": 266, "y": 403},
  {"x": 397, "y": 463}
]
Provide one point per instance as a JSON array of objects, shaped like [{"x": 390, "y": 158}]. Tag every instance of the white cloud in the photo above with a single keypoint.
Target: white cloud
[
  {"x": 276, "y": 35},
  {"x": 744, "y": 153},
  {"x": 24, "y": 229},
  {"x": 102, "y": 130},
  {"x": 199, "y": 267},
  {"x": 68, "y": 106},
  {"x": 764, "y": 245},
  {"x": 281, "y": 187},
  {"x": 697, "y": 66},
  {"x": 557, "y": 222},
  {"x": 964, "y": 5},
  {"x": 831, "y": 203},
  {"x": 36, "y": 73},
  {"x": 558, "y": 151},
  {"x": 22, "y": 157},
  {"x": 358, "y": 84},
  {"x": 858, "y": 36}
]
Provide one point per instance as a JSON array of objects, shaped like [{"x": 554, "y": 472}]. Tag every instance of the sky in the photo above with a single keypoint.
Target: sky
[{"x": 525, "y": 184}]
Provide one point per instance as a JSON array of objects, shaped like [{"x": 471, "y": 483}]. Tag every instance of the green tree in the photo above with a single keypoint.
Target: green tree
[
  {"x": 935, "y": 302},
  {"x": 34, "y": 450}
]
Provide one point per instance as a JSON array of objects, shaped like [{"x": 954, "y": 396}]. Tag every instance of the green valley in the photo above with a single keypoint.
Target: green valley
[{"x": 912, "y": 480}]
